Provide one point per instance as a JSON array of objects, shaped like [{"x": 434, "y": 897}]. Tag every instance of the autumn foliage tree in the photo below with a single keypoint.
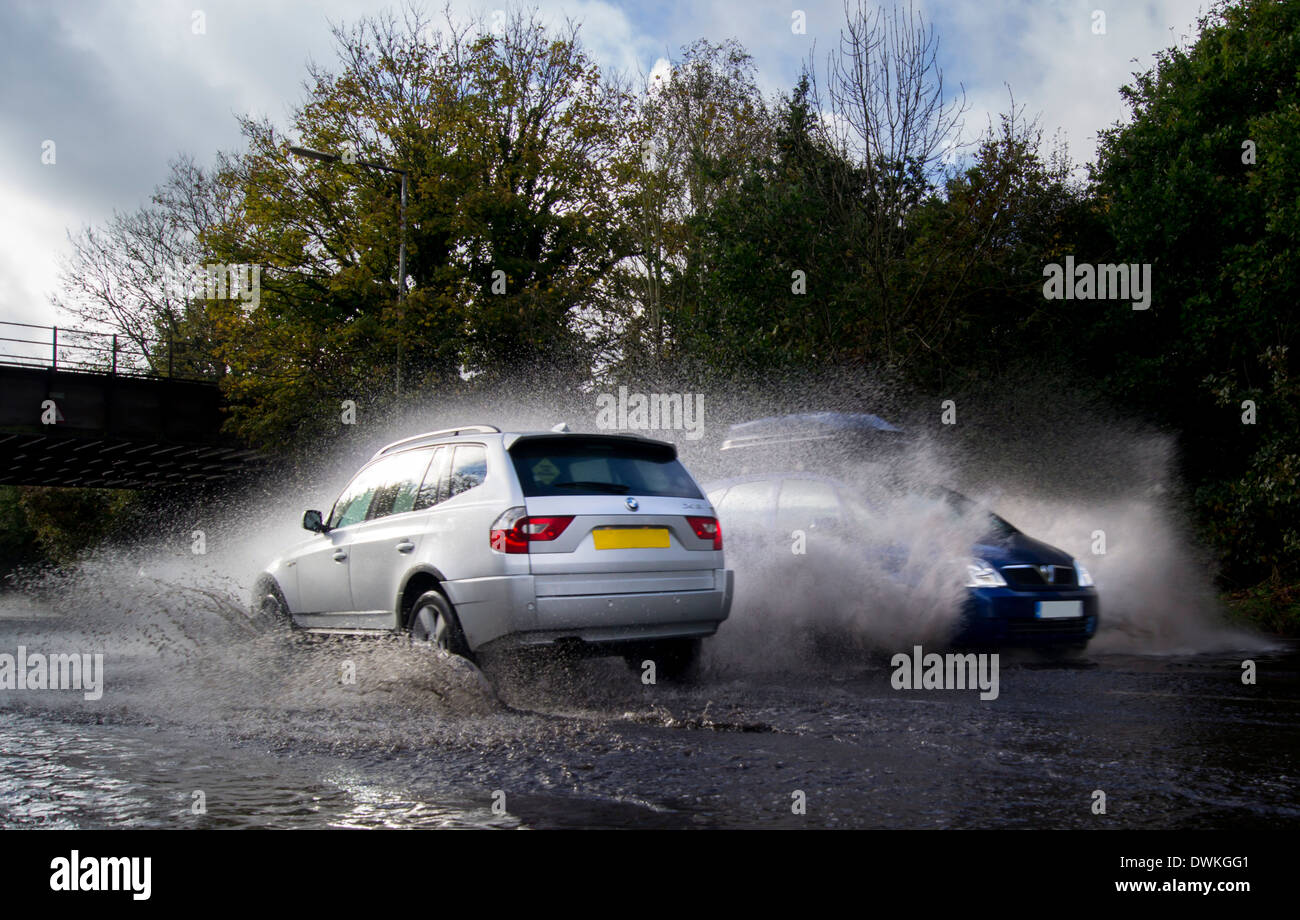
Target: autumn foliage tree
[{"x": 508, "y": 138}]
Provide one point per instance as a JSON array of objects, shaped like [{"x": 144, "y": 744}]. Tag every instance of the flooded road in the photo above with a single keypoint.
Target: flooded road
[{"x": 278, "y": 730}]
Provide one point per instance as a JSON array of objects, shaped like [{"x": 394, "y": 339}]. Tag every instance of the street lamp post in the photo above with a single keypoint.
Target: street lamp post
[{"x": 401, "y": 249}]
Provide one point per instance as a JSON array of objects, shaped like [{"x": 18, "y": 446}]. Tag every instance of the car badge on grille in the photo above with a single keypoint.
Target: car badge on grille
[
  {"x": 633, "y": 504},
  {"x": 1048, "y": 572}
]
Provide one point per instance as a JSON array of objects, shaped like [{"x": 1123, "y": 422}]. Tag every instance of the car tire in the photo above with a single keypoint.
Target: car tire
[
  {"x": 432, "y": 619},
  {"x": 676, "y": 660},
  {"x": 270, "y": 608}
]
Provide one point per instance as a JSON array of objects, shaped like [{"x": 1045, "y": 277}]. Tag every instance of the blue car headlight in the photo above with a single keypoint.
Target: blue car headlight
[
  {"x": 1083, "y": 576},
  {"x": 980, "y": 574}
]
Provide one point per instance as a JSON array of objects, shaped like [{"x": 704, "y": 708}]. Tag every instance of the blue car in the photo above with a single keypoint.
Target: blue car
[{"x": 1019, "y": 591}]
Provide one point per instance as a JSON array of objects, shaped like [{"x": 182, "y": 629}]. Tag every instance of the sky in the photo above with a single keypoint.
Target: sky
[{"x": 122, "y": 86}]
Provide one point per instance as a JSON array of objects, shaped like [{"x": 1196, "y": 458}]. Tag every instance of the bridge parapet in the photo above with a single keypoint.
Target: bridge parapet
[{"x": 108, "y": 418}]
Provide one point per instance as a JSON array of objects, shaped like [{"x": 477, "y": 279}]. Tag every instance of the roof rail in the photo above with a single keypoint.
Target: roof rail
[{"x": 432, "y": 435}]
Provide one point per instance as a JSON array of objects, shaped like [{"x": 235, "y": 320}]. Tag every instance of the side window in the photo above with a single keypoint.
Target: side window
[
  {"x": 399, "y": 484},
  {"x": 804, "y": 501},
  {"x": 355, "y": 500},
  {"x": 468, "y": 470},
  {"x": 748, "y": 504},
  {"x": 433, "y": 488}
]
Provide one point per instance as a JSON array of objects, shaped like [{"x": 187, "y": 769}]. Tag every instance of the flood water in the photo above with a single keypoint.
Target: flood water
[
  {"x": 272, "y": 729},
  {"x": 266, "y": 728}
]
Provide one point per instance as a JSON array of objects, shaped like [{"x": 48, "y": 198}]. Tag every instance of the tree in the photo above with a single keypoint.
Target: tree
[
  {"x": 1203, "y": 184},
  {"x": 66, "y": 523},
  {"x": 887, "y": 113},
  {"x": 695, "y": 132},
  {"x": 780, "y": 290},
  {"x": 508, "y": 139},
  {"x": 975, "y": 253},
  {"x": 133, "y": 276}
]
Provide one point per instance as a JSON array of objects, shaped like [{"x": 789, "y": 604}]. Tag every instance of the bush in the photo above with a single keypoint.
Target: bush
[{"x": 66, "y": 522}]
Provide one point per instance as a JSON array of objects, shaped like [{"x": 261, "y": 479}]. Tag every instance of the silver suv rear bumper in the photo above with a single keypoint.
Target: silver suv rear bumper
[{"x": 506, "y": 611}]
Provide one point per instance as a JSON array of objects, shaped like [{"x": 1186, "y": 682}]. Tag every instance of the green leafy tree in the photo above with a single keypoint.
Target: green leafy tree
[
  {"x": 779, "y": 289},
  {"x": 508, "y": 139},
  {"x": 694, "y": 135},
  {"x": 975, "y": 255},
  {"x": 1204, "y": 184},
  {"x": 68, "y": 522},
  {"x": 17, "y": 539}
]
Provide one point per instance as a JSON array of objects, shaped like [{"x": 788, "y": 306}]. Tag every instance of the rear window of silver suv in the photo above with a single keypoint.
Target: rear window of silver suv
[{"x": 571, "y": 465}]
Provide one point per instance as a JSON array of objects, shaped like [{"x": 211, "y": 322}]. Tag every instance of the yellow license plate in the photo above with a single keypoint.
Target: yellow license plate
[{"x": 631, "y": 537}]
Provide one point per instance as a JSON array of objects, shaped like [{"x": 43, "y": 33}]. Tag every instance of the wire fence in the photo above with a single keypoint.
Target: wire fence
[{"x": 81, "y": 350}]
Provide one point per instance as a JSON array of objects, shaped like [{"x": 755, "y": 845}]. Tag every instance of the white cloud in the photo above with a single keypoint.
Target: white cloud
[
  {"x": 1054, "y": 64},
  {"x": 28, "y": 264},
  {"x": 661, "y": 74}
]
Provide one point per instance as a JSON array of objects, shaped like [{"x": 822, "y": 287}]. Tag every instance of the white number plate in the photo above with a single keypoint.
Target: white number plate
[{"x": 1058, "y": 610}]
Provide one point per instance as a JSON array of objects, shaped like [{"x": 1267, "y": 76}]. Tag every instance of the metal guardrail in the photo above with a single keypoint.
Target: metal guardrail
[{"x": 81, "y": 350}]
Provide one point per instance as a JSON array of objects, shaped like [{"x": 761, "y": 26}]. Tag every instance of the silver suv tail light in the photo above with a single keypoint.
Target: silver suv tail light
[{"x": 514, "y": 530}]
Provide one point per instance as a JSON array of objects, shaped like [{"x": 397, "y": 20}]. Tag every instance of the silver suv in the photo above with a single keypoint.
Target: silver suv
[{"x": 474, "y": 537}]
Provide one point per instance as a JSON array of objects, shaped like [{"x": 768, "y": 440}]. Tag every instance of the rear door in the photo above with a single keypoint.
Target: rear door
[
  {"x": 631, "y": 503},
  {"x": 460, "y": 524}
]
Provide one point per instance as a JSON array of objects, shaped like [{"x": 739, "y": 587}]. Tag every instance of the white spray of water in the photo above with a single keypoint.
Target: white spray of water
[{"x": 156, "y": 601}]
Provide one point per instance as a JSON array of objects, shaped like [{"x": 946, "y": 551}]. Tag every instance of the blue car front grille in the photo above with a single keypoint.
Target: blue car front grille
[{"x": 1039, "y": 577}]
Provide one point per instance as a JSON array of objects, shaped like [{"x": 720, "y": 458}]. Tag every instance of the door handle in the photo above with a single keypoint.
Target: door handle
[
  {"x": 340, "y": 556},
  {"x": 405, "y": 546}
]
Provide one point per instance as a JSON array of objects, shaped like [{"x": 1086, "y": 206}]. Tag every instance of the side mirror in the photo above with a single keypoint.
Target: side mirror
[{"x": 311, "y": 520}]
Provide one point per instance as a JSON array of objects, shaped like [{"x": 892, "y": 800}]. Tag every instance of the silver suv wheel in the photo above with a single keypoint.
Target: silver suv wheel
[{"x": 433, "y": 620}]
